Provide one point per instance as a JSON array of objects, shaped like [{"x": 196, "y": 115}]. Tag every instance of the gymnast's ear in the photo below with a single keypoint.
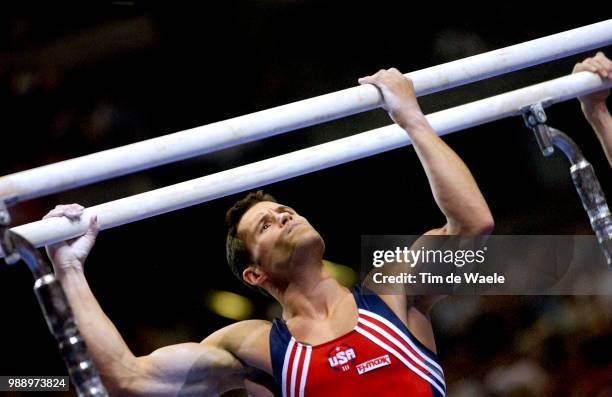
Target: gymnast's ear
[{"x": 253, "y": 275}]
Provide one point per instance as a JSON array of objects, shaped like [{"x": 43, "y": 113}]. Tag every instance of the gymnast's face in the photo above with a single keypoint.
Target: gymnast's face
[{"x": 279, "y": 240}]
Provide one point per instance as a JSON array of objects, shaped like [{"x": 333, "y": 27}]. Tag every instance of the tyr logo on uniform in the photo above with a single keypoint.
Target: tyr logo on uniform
[{"x": 341, "y": 357}]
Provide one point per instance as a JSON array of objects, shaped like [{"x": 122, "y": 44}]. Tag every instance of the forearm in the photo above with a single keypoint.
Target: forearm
[
  {"x": 600, "y": 120},
  {"x": 112, "y": 357},
  {"x": 452, "y": 184}
]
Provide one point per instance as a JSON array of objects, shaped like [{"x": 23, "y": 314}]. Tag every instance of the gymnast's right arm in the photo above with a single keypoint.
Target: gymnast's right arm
[{"x": 185, "y": 369}]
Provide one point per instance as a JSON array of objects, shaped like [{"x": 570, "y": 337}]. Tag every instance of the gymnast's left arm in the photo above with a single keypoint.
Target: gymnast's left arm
[
  {"x": 594, "y": 105},
  {"x": 451, "y": 182}
]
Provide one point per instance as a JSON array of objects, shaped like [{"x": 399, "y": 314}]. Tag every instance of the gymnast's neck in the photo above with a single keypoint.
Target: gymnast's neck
[{"x": 312, "y": 293}]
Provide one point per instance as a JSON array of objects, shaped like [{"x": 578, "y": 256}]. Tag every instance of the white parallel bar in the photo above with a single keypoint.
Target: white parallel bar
[
  {"x": 255, "y": 126},
  {"x": 174, "y": 197}
]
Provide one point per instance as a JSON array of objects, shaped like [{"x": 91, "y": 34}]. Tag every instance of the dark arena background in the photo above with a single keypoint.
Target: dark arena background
[{"x": 79, "y": 80}]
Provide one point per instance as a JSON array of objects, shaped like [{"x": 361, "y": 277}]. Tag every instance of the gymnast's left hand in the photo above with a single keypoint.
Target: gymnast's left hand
[
  {"x": 71, "y": 254},
  {"x": 601, "y": 65},
  {"x": 399, "y": 97}
]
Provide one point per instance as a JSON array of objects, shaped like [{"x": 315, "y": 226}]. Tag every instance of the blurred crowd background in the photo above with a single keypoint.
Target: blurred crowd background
[{"x": 76, "y": 80}]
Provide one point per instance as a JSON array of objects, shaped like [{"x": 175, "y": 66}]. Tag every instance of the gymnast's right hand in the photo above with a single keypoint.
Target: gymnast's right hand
[{"x": 71, "y": 254}]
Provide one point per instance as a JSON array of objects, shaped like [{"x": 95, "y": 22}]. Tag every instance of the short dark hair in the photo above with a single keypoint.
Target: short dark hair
[{"x": 238, "y": 257}]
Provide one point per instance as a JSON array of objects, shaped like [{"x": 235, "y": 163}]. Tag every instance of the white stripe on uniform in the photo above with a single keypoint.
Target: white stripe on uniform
[
  {"x": 403, "y": 347},
  {"x": 305, "y": 370},
  {"x": 406, "y": 338},
  {"x": 399, "y": 357},
  {"x": 296, "y": 362},
  {"x": 286, "y": 365}
]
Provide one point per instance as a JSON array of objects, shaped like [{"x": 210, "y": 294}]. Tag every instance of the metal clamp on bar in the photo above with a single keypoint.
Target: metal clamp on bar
[
  {"x": 583, "y": 174},
  {"x": 55, "y": 308},
  {"x": 535, "y": 118},
  {"x": 6, "y": 243}
]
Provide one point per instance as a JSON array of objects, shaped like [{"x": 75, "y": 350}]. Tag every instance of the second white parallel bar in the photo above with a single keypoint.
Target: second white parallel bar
[{"x": 185, "y": 194}]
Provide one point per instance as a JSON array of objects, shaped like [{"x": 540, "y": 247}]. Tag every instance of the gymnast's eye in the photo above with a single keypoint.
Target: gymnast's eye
[{"x": 265, "y": 226}]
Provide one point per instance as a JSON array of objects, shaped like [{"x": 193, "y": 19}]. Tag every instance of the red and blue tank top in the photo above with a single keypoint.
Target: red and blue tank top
[{"x": 378, "y": 357}]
